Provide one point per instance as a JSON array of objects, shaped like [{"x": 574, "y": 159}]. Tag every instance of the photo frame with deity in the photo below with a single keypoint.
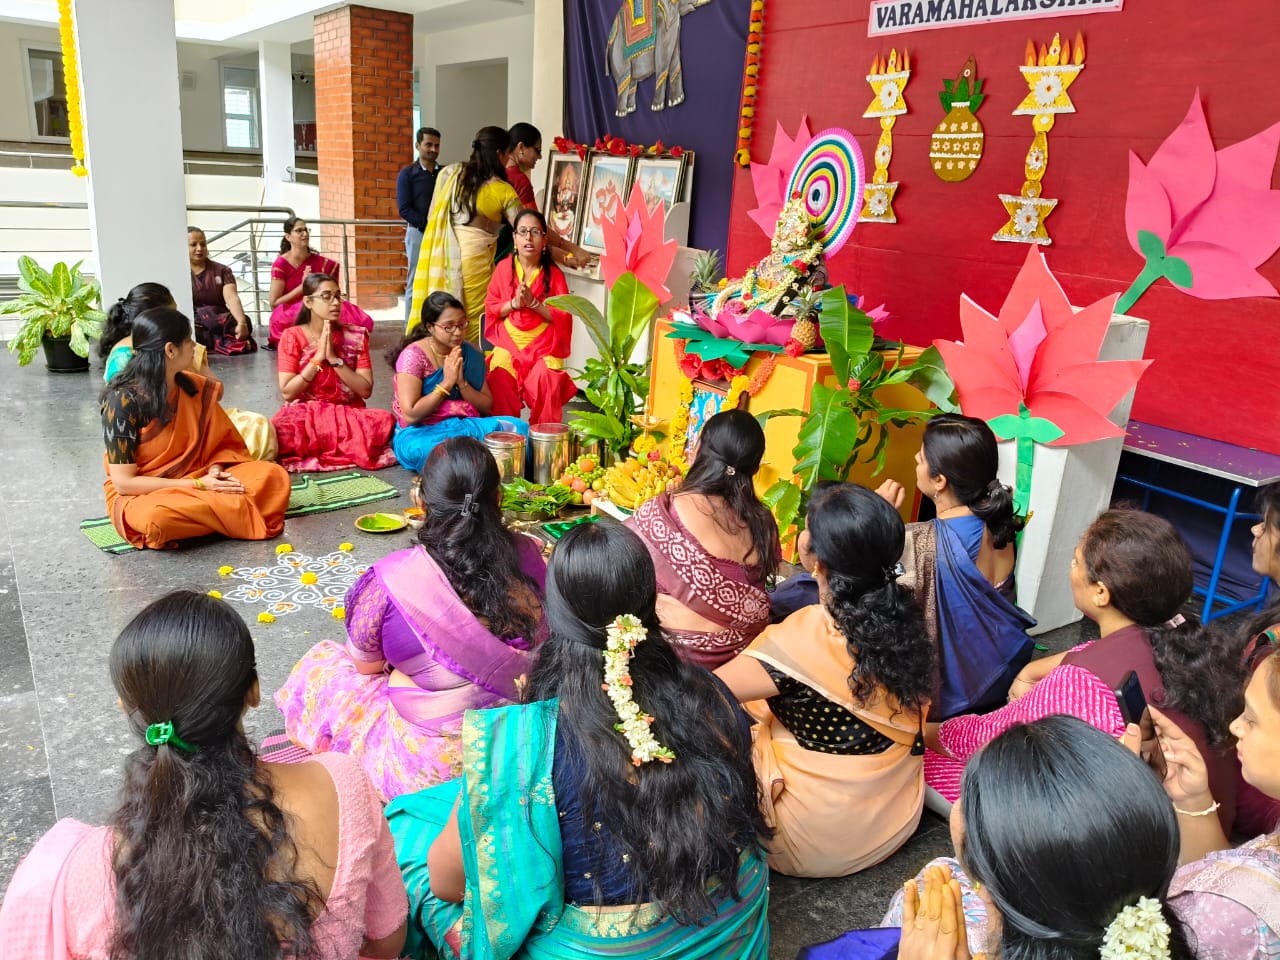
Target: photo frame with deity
[
  {"x": 562, "y": 198},
  {"x": 608, "y": 179},
  {"x": 661, "y": 178}
]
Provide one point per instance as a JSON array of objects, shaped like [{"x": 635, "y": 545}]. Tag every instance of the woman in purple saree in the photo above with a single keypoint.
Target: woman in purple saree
[{"x": 435, "y": 630}]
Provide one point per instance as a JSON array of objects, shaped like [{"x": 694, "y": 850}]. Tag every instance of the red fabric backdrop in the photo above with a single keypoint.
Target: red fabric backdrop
[{"x": 1217, "y": 369}]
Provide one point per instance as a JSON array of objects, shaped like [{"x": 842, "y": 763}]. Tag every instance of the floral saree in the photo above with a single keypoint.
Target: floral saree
[{"x": 514, "y": 905}]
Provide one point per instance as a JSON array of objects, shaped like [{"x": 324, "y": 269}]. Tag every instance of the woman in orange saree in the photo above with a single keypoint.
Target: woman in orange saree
[{"x": 176, "y": 466}]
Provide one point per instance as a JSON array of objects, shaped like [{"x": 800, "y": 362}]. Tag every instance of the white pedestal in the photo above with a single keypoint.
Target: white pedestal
[{"x": 1070, "y": 486}]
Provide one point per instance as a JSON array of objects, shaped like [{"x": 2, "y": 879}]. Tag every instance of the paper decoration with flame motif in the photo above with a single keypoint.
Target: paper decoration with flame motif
[
  {"x": 1049, "y": 73},
  {"x": 888, "y": 79},
  {"x": 956, "y": 145}
]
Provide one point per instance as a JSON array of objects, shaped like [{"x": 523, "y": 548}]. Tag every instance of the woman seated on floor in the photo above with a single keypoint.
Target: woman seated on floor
[
  {"x": 714, "y": 544},
  {"x": 1229, "y": 897},
  {"x": 434, "y": 630},
  {"x": 211, "y": 852},
  {"x": 176, "y": 466},
  {"x": 116, "y": 347},
  {"x": 221, "y": 323},
  {"x": 440, "y": 385},
  {"x": 530, "y": 339},
  {"x": 325, "y": 378},
  {"x": 1131, "y": 574},
  {"x": 296, "y": 262},
  {"x": 1094, "y": 883},
  {"x": 620, "y": 795},
  {"x": 839, "y": 690}
]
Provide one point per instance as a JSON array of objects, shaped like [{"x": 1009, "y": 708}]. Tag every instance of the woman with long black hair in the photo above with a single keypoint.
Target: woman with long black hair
[
  {"x": 714, "y": 544},
  {"x": 212, "y": 853},
  {"x": 840, "y": 690},
  {"x": 614, "y": 812},
  {"x": 472, "y": 201},
  {"x": 176, "y": 465},
  {"x": 443, "y": 627}
]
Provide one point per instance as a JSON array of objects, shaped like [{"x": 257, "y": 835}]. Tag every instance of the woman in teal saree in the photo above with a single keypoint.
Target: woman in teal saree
[{"x": 593, "y": 822}]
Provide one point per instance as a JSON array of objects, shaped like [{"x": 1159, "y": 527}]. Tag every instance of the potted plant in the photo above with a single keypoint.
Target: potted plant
[{"x": 60, "y": 310}]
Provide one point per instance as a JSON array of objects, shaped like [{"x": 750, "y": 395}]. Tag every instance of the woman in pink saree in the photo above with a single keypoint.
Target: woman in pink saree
[
  {"x": 296, "y": 262},
  {"x": 714, "y": 545},
  {"x": 444, "y": 627}
]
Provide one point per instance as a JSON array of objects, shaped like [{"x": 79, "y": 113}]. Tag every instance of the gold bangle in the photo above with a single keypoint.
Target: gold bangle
[
  {"x": 197, "y": 483},
  {"x": 439, "y": 388},
  {"x": 1199, "y": 813}
]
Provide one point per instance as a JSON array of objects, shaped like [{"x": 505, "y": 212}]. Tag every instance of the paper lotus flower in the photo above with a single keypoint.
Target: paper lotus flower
[
  {"x": 1042, "y": 354},
  {"x": 633, "y": 243},
  {"x": 757, "y": 326},
  {"x": 770, "y": 179},
  {"x": 1204, "y": 219}
]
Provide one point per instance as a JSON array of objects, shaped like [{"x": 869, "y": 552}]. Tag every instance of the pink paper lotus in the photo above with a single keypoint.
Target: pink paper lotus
[
  {"x": 770, "y": 179},
  {"x": 633, "y": 242},
  {"x": 758, "y": 326},
  {"x": 1041, "y": 353},
  {"x": 1214, "y": 212}
]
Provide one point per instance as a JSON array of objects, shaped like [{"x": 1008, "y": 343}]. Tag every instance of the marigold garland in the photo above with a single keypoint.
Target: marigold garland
[
  {"x": 750, "y": 83},
  {"x": 680, "y": 426},
  {"x": 71, "y": 80}
]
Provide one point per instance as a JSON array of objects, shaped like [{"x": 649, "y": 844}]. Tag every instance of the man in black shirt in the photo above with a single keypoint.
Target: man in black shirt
[{"x": 414, "y": 187}]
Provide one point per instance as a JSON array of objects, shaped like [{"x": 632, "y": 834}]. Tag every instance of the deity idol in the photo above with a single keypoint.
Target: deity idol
[{"x": 793, "y": 268}]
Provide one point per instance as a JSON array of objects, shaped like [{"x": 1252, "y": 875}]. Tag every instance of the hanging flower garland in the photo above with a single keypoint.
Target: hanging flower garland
[
  {"x": 71, "y": 80},
  {"x": 750, "y": 84},
  {"x": 616, "y": 146},
  {"x": 680, "y": 426}
]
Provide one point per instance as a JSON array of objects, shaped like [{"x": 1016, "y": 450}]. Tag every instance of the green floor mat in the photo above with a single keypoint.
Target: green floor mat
[{"x": 308, "y": 494}]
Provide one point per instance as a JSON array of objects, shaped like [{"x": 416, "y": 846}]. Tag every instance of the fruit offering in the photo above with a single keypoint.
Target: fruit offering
[
  {"x": 632, "y": 482},
  {"x": 585, "y": 477}
]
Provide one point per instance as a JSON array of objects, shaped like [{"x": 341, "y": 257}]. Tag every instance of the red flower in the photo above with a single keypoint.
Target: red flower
[
  {"x": 582, "y": 151},
  {"x": 800, "y": 266},
  {"x": 633, "y": 242},
  {"x": 854, "y": 384},
  {"x": 691, "y": 366},
  {"x": 676, "y": 151},
  {"x": 636, "y": 150},
  {"x": 655, "y": 454},
  {"x": 658, "y": 148},
  {"x": 598, "y": 145},
  {"x": 793, "y": 348},
  {"x": 618, "y": 148}
]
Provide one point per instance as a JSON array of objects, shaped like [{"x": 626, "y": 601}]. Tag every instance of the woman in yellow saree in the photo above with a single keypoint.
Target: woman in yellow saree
[{"x": 472, "y": 201}]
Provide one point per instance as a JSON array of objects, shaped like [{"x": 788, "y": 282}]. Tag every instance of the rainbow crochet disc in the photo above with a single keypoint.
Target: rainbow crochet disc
[{"x": 829, "y": 174}]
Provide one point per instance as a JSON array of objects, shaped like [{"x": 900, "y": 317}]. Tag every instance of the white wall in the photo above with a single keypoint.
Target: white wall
[
  {"x": 468, "y": 97},
  {"x": 511, "y": 40}
]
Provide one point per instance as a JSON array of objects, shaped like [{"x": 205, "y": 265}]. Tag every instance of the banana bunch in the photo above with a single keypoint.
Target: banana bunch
[{"x": 632, "y": 482}]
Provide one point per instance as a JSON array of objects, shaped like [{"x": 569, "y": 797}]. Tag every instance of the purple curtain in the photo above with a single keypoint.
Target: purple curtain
[{"x": 713, "y": 40}]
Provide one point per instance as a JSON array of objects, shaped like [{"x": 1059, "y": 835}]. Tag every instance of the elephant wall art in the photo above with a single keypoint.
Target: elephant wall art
[{"x": 645, "y": 42}]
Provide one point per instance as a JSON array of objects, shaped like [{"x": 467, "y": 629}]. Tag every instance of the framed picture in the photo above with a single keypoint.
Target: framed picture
[
  {"x": 661, "y": 178},
  {"x": 562, "y": 198},
  {"x": 608, "y": 178}
]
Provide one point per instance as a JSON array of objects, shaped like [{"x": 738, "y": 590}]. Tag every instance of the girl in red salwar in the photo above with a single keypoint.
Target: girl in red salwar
[{"x": 530, "y": 339}]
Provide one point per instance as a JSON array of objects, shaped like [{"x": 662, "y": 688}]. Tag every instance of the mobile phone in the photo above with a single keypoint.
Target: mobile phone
[{"x": 1133, "y": 708}]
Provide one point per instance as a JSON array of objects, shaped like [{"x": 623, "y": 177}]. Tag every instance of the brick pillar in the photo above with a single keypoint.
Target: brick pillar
[{"x": 364, "y": 111}]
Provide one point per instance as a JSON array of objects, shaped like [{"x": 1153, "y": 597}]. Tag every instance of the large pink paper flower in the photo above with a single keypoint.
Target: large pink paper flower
[
  {"x": 633, "y": 243},
  {"x": 770, "y": 179},
  {"x": 755, "y": 326},
  {"x": 1041, "y": 353},
  {"x": 1213, "y": 212}
]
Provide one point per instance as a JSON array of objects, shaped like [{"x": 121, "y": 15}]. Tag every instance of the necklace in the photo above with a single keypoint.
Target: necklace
[{"x": 942, "y": 514}]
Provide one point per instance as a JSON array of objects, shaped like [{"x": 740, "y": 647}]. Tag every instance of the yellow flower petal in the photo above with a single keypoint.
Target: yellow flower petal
[
  {"x": 339, "y": 613},
  {"x": 308, "y": 577},
  {"x": 217, "y": 595},
  {"x": 284, "y": 548},
  {"x": 266, "y": 618},
  {"x": 225, "y": 570},
  {"x": 346, "y": 547}
]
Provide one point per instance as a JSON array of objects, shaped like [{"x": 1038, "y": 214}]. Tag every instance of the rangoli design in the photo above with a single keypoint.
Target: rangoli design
[{"x": 295, "y": 581}]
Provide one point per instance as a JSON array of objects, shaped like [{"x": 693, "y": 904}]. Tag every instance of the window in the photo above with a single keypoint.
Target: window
[
  {"x": 240, "y": 107},
  {"x": 48, "y": 94}
]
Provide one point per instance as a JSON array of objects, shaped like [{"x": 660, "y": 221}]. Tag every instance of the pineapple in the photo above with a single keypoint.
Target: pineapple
[
  {"x": 805, "y": 331},
  {"x": 706, "y": 272},
  {"x": 956, "y": 145}
]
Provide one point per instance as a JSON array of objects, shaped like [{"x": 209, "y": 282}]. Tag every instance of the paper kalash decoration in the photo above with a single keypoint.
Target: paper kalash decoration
[
  {"x": 955, "y": 148},
  {"x": 1033, "y": 372},
  {"x": 888, "y": 82},
  {"x": 1204, "y": 219},
  {"x": 1049, "y": 73}
]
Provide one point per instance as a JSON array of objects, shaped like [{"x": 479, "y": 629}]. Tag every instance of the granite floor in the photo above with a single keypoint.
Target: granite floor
[{"x": 62, "y": 601}]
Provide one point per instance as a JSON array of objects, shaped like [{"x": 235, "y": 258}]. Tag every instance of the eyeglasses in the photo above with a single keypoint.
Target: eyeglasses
[
  {"x": 529, "y": 232},
  {"x": 451, "y": 327},
  {"x": 327, "y": 297}
]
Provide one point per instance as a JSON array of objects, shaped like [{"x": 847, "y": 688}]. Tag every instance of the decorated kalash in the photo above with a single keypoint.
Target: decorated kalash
[{"x": 779, "y": 341}]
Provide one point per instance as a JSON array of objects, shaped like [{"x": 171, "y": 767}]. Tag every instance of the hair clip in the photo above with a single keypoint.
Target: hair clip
[
  {"x": 1174, "y": 622},
  {"x": 730, "y": 471},
  {"x": 466, "y": 505},
  {"x": 894, "y": 572}
]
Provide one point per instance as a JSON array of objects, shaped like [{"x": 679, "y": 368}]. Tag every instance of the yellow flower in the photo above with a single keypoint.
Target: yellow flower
[
  {"x": 339, "y": 613},
  {"x": 308, "y": 577},
  {"x": 284, "y": 548},
  {"x": 225, "y": 570},
  {"x": 724, "y": 282},
  {"x": 266, "y": 618},
  {"x": 346, "y": 547},
  {"x": 217, "y": 595}
]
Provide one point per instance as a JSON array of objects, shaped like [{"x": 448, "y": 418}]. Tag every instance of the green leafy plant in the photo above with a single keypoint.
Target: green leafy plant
[
  {"x": 57, "y": 303},
  {"x": 612, "y": 382},
  {"x": 848, "y": 423}
]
